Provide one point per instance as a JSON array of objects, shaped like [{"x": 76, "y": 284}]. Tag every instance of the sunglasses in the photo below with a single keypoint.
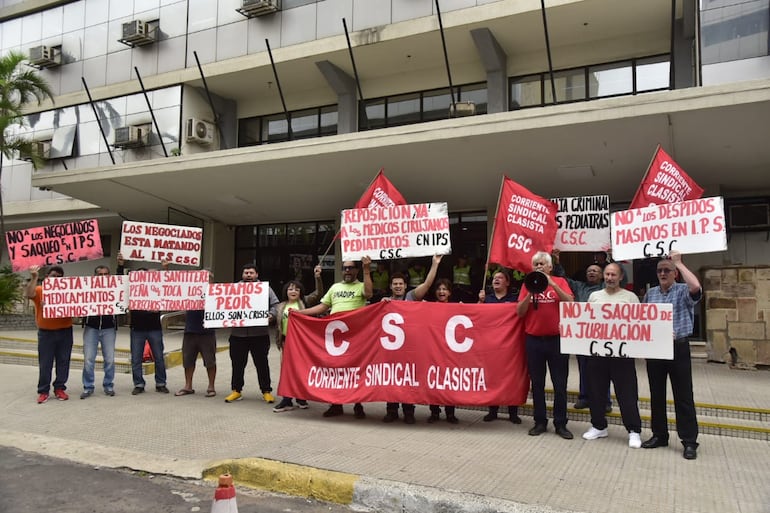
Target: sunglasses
[
  {"x": 348, "y": 267},
  {"x": 664, "y": 270}
]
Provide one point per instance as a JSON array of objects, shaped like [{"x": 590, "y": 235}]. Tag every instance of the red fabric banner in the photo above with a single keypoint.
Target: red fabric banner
[
  {"x": 665, "y": 182},
  {"x": 410, "y": 352},
  {"x": 381, "y": 193},
  {"x": 525, "y": 224}
]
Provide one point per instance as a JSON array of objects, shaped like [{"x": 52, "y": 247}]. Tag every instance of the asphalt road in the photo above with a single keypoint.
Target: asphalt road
[{"x": 30, "y": 483}]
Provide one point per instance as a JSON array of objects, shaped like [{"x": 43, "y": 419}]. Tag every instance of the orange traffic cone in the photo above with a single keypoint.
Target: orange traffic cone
[{"x": 224, "y": 496}]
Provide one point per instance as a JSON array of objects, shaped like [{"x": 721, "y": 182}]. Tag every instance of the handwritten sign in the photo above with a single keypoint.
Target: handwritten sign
[
  {"x": 619, "y": 330},
  {"x": 54, "y": 245},
  {"x": 237, "y": 304},
  {"x": 583, "y": 223},
  {"x": 155, "y": 242},
  {"x": 167, "y": 290},
  {"x": 81, "y": 296},
  {"x": 695, "y": 226},
  {"x": 400, "y": 231}
]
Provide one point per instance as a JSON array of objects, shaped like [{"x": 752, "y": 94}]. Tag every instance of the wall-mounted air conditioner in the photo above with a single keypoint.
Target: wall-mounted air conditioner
[
  {"x": 132, "y": 136},
  {"x": 44, "y": 56},
  {"x": 199, "y": 131},
  {"x": 749, "y": 215},
  {"x": 138, "y": 33},
  {"x": 254, "y": 8}
]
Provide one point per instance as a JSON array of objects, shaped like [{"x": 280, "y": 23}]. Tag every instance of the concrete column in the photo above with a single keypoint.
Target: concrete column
[
  {"x": 347, "y": 102},
  {"x": 495, "y": 63},
  {"x": 685, "y": 67}
]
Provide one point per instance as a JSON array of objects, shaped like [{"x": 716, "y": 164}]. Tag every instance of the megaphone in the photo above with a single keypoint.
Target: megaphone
[{"x": 536, "y": 282}]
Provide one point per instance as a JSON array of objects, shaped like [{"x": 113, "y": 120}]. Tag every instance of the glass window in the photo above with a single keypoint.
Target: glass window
[
  {"x": 435, "y": 105},
  {"x": 248, "y": 131},
  {"x": 526, "y": 92},
  {"x": 246, "y": 236},
  {"x": 329, "y": 120},
  {"x": 652, "y": 73},
  {"x": 300, "y": 234},
  {"x": 477, "y": 94},
  {"x": 374, "y": 115},
  {"x": 272, "y": 235},
  {"x": 735, "y": 31},
  {"x": 304, "y": 124},
  {"x": 404, "y": 109},
  {"x": 570, "y": 86},
  {"x": 275, "y": 128},
  {"x": 611, "y": 79}
]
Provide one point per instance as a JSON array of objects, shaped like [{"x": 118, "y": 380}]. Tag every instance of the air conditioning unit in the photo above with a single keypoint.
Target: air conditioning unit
[
  {"x": 199, "y": 131},
  {"x": 254, "y": 8},
  {"x": 39, "y": 148},
  {"x": 462, "y": 109},
  {"x": 749, "y": 216},
  {"x": 132, "y": 136},
  {"x": 137, "y": 33},
  {"x": 44, "y": 56}
]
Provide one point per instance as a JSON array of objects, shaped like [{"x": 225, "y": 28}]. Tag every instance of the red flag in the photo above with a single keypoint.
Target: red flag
[
  {"x": 664, "y": 182},
  {"x": 525, "y": 223},
  {"x": 381, "y": 193}
]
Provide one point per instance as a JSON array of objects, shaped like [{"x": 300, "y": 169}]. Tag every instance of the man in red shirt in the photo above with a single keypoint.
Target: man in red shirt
[{"x": 540, "y": 312}]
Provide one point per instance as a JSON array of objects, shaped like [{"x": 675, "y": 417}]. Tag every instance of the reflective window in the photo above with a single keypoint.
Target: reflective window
[
  {"x": 611, "y": 79},
  {"x": 403, "y": 109},
  {"x": 526, "y": 92},
  {"x": 734, "y": 29},
  {"x": 248, "y": 131},
  {"x": 304, "y": 124},
  {"x": 435, "y": 104},
  {"x": 375, "y": 115},
  {"x": 476, "y": 93},
  {"x": 329, "y": 118},
  {"x": 570, "y": 86},
  {"x": 652, "y": 74},
  {"x": 275, "y": 128}
]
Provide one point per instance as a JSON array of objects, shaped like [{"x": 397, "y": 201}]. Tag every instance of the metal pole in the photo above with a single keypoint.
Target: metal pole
[
  {"x": 98, "y": 122},
  {"x": 548, "y": 50},
  {"x": 208, "y": 94},
  {"x": 355, "y": 72},
  {"x": 446, "y": 57},
  {"x": 280, "y": 90},
  {"x": 152, "y": 114}
]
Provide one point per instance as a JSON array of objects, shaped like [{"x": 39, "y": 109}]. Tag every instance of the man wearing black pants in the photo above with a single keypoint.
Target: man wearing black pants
[{"x": 621, "y": 371}]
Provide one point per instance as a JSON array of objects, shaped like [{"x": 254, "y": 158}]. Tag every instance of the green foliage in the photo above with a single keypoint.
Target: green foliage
[{"x": 10, "y": 289}]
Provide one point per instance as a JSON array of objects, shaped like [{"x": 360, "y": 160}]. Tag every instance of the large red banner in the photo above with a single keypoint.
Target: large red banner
[
  {"x": 381, "y": 193},
  {"x": 665, "y": 182},
  {"x": 525, "y": 224},
  {"x": 411, "y": 352}
]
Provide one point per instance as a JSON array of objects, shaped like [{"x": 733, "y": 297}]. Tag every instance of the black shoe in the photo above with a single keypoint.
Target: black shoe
[
  {"x": 581, "y": 404},
  {"x": 452, "y": 419},
  {"x": 409, "y": 418},
  {"x": 162, "y": 389},
  {"x": 335, "y": 410},
  {"x": 654, "y": 442},
  {"x": 109, "y": 392},
  {"x": 389, "y": 417},
  {"x": 137, "y": 391},
  {"x": 690, "y": 452},
  {"x": 608, "y": 408},
  {"x": 515, "y": 419},
  {"x": 358, "y": 411},
  {"x": 565, "y": 433},
  {"x": 86, "y": 394},
  {"x": 433, "y": 418},
  {"x": 489, "y": 417},
  {"x": 537, "y": 430}
]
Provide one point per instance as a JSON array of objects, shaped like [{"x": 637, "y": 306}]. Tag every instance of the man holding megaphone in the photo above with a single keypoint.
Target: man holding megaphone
[{"x": 539, "y": 307}]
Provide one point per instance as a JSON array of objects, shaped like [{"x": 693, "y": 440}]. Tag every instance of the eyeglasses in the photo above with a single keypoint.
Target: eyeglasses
[
  {"x": 348, "y": 267},
  {"x": 664, "y": 270}
]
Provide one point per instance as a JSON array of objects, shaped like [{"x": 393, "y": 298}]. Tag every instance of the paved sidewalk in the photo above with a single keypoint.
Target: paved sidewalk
[{"x": 474, "y": 466}]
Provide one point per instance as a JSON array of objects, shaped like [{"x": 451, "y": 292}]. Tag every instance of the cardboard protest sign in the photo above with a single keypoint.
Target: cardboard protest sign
[
  {"x": 149, "y": 242},
  {"x": 618, "y": 330},
  {"x": 401, "y": 231},
  {"x": 81, "y": 296},
  {"x": 245, "y": 303},
  {"x": 583, "y": 223},
  {"x": 54, "y": 245},
  {"x": 525, "y": 223},
  {"x": 696, "y": 226},
  {"x": 167, "y": 290}
]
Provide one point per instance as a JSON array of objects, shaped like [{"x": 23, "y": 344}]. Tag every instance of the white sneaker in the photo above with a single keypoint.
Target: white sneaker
[
  {"x": 634, "y": 440},
  {"x": 593, "y": 433}
]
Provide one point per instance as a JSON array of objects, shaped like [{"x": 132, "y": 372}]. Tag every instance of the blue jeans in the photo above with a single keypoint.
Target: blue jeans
[
  {"x": 155, "y": 337},
  {"x": 53, "y": 346},
  {"x": 91, "y": 339}
]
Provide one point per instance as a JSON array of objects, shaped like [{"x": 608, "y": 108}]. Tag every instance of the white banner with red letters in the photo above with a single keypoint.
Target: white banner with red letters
[
  {"x": 167, "y": 290},
  {"x": 620, "y": 330},
  {"x": 246, "y": 303},
  {"x": 410, "y": 352},
  {"x": 583, "y": 223},
  {"x": 695, "y": 226},
  {"x": 81, "y": 296},
  {"x": 55, "y": 244},
  {"x": 400, "y": 231},
  {"x": 149, "y": 242}
]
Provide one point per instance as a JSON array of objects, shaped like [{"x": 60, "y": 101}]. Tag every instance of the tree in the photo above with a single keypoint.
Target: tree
[{"x": 19, "y": 85}]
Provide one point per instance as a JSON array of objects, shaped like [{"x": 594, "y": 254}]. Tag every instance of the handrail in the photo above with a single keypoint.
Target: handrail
[{"x": 168, "y": 317}]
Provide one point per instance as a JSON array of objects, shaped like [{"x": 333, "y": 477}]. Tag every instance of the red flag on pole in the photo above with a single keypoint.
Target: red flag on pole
[
  {"x": 665, "y": 182},
  {"x": 525, "y": 223},
  {"x": 381, "y": 193}
]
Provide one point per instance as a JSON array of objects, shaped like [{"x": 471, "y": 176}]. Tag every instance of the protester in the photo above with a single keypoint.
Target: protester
[
  {"x": 501, "y": 293},
  {"x": 621, "y": 371},
  {"x": 684, "y": 297},
  {"x": 540, "y": 312},
  {"x": 443, "y": 295},
  {"x": 254, "y": 340},
  {"x": 54, "y": 341},
  {"x": 198, "y": 340},
  {"x": 380, "y": 281},
  {"x": 398, "y": 287},
  {"x": 349, "y": 294},
  {"x": 294, "y": 299},
  {"x": 99, "y": 329}
]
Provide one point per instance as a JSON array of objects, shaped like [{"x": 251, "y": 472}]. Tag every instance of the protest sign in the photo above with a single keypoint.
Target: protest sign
[
  {"x": 696, "y": 226},
  {"x": 155, "y": 242},
  {"x": 665, "y": 182},
  {"x": 246, "y": 303},
  {"x": 525, "y": 223},
  {"x": 81, "y": 296},
  {"x": 167, "y": 290},
  {"x": 402, "y": 231},
  {"x": 410, "y": 352},
  {"x": 583, "y": 223},
  {"x": 54, "y": 245},
  {"x": 618, "y": 330}
]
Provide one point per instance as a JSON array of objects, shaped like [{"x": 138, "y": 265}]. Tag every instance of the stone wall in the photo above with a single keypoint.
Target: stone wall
[
  {"x": 17, "y": 322},
  {"x": 737, "y": 301}
]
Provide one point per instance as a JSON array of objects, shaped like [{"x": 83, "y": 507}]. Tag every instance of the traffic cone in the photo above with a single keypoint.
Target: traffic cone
[{"x": 224, "y": 496}]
